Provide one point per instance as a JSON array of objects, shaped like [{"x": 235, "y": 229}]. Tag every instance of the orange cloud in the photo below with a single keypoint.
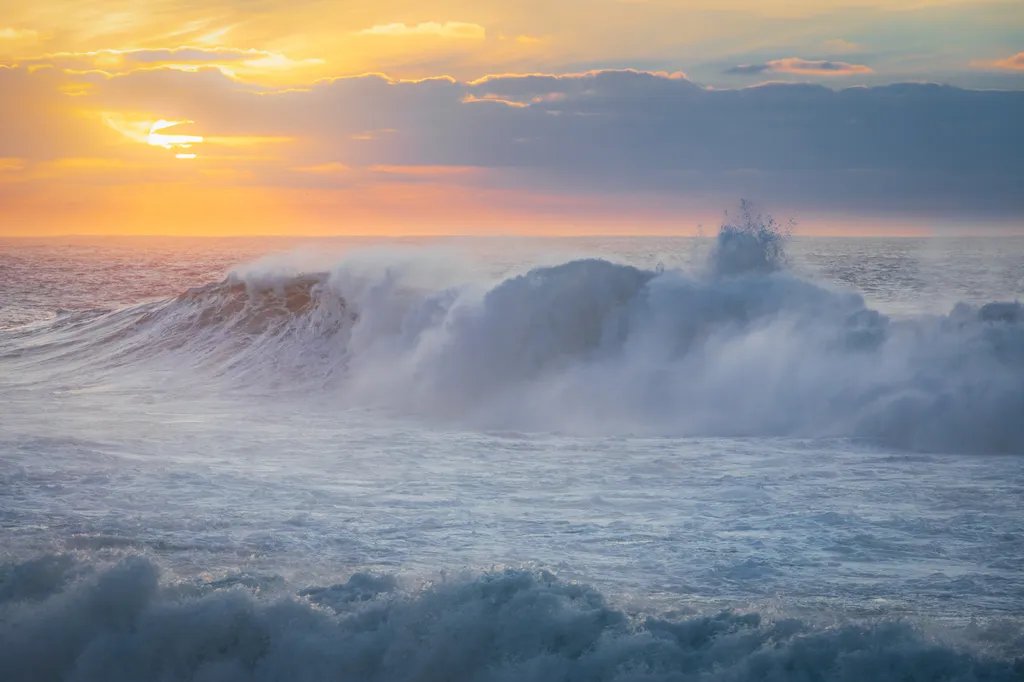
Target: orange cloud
[
  {"x": 230, "y": 61},
  {"x": 449, "y": 29},
  {"x": 18, "y": 34},
  {"x": 802, "y": 67},
  {"x": 11, "y": 163},
  {"x": 493, "y": 99},
  {"x": 1011, "y": 63},
  {"x": 330, "y": 168}
]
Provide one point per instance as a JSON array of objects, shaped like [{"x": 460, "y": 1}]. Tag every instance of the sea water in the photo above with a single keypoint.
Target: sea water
[{"x": 485, "y": 459}]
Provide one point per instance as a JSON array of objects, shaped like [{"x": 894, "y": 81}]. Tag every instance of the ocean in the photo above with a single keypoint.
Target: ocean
[{"x": 730, "y": 458}]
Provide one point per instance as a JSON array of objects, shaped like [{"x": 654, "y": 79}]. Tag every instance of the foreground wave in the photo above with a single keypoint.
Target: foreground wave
[
  {"x": 742, "y": 348},
  {"x": 62, "y": 619}
]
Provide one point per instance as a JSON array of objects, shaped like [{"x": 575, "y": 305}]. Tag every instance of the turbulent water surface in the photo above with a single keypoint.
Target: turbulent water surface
[{"x": 589, "y": 459}]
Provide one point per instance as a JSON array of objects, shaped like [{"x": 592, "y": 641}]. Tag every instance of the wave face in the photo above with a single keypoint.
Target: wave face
[
  {"x": 742, "y": 348},
  {"x": 64, "y": 620}
]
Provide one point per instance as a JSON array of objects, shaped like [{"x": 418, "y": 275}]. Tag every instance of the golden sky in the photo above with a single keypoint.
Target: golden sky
[{"x": 565, "y": 116}]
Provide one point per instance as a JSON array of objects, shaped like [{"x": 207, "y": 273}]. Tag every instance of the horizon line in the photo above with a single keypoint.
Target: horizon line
[{"x": 512, "y": 235}]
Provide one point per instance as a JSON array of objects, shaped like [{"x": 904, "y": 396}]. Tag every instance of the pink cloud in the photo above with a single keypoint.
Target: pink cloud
[
  {"x": 803, "y": 67},
  {"x": 1011, "y": 63}
]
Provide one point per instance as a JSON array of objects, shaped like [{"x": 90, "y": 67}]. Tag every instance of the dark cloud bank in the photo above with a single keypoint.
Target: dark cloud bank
[{"x": 912, "y": 147}]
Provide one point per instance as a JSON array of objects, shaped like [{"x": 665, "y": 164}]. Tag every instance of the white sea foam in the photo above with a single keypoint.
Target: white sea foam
[
  {"x": 222, "y": 434},
  {"x": 741, "y": 347},
  {"x": 62, "y": 620}
]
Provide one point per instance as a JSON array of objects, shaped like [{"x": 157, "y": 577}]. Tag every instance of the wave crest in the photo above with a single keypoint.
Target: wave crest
[
  {"x": 122, "y": 623},
  {"x": 590, "y": 346}
]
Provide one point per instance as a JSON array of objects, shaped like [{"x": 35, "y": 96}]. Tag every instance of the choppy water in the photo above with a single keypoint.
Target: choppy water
[{"x": 406, "y": 461}]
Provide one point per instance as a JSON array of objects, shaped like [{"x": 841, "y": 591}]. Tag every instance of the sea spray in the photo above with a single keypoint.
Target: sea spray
[
  {"x": 122, "y": 622},
  {"x": 742, "y": 347},
  {"x": 749, "y": 242}
]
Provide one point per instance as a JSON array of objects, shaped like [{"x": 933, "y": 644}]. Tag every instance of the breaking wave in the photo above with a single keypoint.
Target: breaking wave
[
  {"x": 65, "y": 620},
  {"x": 743, "y": 347}
]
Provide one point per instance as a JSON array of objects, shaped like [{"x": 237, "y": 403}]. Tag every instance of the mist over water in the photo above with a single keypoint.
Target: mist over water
[
  {"x": 737, "y": 346},
  {"x": 770, "y": 460}
]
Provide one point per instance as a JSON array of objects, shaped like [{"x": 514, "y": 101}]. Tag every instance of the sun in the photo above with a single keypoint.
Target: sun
[
  {"x": 159, "y": 139},
  {"x": 147, "y": 131}
]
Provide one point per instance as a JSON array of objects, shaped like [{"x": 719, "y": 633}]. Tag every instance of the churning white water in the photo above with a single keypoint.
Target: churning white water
[{"x": 608, "y": 459}]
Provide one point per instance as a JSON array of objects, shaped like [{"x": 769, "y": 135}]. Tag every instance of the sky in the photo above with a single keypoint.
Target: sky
[{"x": 226, "y": 117}]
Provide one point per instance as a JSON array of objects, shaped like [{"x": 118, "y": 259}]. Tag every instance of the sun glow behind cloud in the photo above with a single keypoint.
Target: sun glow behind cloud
[
  {"x": 171, "y": 141},
  {"x": 149, "y": 132},
  {"x": 488, "y": 99}
]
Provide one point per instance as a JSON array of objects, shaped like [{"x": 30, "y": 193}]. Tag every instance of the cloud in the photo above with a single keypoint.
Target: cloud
[
  {"x": 575, "y": 36},
  {"x": 420, "y": 171},
  {"x": 802, "y": 67},
  {"x": 333, "y": 168},
  {"x": 749, "y": 69},
  {"x": 449, "y": 29},
  {"x": 181, "y": 55},
  {"x": 1011, "y": 63},
  {"x": 620, "y": 133},
  {"x": 230, "y": 60},
  {"x": 18, "y": 34},
  {"x": 10, "y": 164},
  {"x": 15, "y": 40}
]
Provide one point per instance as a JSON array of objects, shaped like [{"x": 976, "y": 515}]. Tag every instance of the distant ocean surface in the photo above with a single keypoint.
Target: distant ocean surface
[{"x": 522, "y": 459}]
